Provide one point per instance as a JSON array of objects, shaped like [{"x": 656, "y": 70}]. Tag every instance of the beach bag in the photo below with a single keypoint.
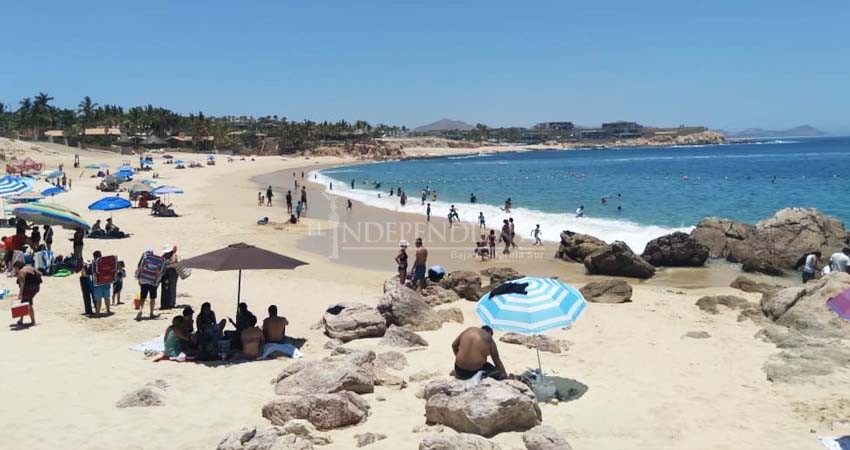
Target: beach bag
[
  {"x": 104, "y": 270},
  {"x": 150, "y": 270},
  {"x": 184, "y": 272}
]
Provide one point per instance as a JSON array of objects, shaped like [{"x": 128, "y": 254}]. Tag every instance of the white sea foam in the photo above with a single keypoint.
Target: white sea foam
[{"x": 634, "y": 234}]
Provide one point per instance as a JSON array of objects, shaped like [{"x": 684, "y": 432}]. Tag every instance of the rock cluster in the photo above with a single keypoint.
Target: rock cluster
[
  {"x": 675, "y": 250},
  {"x": 324, "y": 411},
  {"x": 617, "y": 259},
  {"x": 348, "y": 321},
  {"x": 464, "y": 283},
  {"x": 402, "y": 306}
]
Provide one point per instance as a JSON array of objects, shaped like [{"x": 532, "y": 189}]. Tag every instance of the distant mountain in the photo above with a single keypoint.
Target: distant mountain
[
  {"x": 801, "y": 131},
  {"x": 446, "y": 124}
]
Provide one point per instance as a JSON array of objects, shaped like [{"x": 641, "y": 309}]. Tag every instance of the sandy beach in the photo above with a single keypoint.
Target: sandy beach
[{"x": 648, "y": 386}]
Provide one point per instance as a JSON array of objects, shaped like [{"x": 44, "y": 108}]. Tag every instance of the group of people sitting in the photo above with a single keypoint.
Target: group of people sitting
[
  {"x": 110, "y": 231},
  {"x": 205, "y": 338},
  {"x": 162, "y": 210}
]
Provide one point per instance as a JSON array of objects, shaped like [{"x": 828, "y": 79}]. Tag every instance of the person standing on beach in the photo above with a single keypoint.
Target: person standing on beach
[
  {"x": 810, "y": 265},
  {"x": 491, "y": 242},
  {"x": 840, "y": 261},
  {"x": 481, "y": 222},
  {"x": 506, "y": 237},
  {"x": 348, "y": 205},
  {"x": 536, "y": 234},
  {"x": 434, "y": 195},
  {"x": 260, "y": 199},
  {"x": 580, "y": 211},
  {"x": 48, "y": 237},
  {"x": 513, "y": 233},
  {"x": 401, "y": 261},
  {"x": 78, "y": 247},
  {"x": 29, "y": 283},
  {"x": 304, "y": 198},
  {"x": 352, "y": 183},
  {"x": 419, "y": 265},
  {"x": 289, "y": 202},
  {"x": 424, "y": 196},
  {"x": 428, "y": 213},
  {"x": 269, "y": 196},
  {"x": 298, "y": 211}
]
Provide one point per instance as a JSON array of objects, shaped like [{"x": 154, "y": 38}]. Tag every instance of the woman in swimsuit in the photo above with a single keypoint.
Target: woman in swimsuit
[{"x": 401, "y": 260}]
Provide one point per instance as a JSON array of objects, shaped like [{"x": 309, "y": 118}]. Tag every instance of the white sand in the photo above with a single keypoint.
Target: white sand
[{"x": 649, "y": 388}]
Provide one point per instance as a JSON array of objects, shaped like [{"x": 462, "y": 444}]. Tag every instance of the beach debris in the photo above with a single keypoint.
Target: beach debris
[
  {"x": 459, "y": 441},
  {"x": 402, "y": 337},
  {"x": 266, "y": 438},
  {"x": 424, "y": 375},
  {"x": 403, "y": 306},
  {"x": 540, "y": 342},
  {"x": 575, "y": 247},
  {"x": 324, "y": 411},
  {"x": 697, "y": 335},
  {"x": 465, "y": 283},
  {"x": 763, "y": 266},
  {"x": 617, "y": 259},
  {"x": 748, "y": 285},
  {"x": 306, "y": 430},
  {"x": 543, "y": 437},
  {"x": 499, "y": 275},
  {"x": 675, "y": 250},
  {"x": 435, "y": 295},
  {"x": 348, "y": 321},
  {"x": 608, "y": 291},
  {"x": 140, "y": 398},
  {"x": 489, "y": 408},
  {"x": 392, "y": 359},
  {"x": 451, "y": 315},
  {"x": 709, "y": 303},
  {"x": 365, "y": 439},
  {"x": 351, "y": 373}
]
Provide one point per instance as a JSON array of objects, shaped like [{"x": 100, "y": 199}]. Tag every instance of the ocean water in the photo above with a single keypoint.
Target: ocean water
[{"x": 660, "y": 189}]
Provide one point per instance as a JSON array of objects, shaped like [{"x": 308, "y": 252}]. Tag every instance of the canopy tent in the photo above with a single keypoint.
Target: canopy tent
[
  {"x": 241, "y": 257},
  {"x": 24, "y": 166},
  {"x": 166, "y": 190},
  {"x": 542, "y": 305},
  {"x": 110, "y": 204},
  {"x": 53, "y": 215}
]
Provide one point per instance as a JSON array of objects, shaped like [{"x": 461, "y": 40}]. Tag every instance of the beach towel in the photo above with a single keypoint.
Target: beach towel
[
  {"x": 151, "y": 269},
  {"x": 841, "y": 304},
  {"x": 842, "y": 443},
  {"x": 44, "y": 261},
  {"x": 156, "y": 344},
  {"x": 287, "y": 349},
  {"x": 104, "y": 270}
]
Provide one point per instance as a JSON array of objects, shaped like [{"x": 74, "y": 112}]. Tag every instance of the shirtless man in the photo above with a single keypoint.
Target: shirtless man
[
  {"x": 472, "y": 348},
  {"x": 419, "y": 265},
  {"x": 252, "y": 339},
  {"x": 274, "y": 326}
]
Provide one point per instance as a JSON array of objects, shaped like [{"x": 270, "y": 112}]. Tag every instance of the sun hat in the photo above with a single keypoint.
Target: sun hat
[{"x": 403, "y": 243}]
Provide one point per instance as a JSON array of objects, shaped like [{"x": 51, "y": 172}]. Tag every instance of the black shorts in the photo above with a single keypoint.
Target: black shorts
[
  {"x": 148, "y": 290},
  {"x": 489, "y": 371}
]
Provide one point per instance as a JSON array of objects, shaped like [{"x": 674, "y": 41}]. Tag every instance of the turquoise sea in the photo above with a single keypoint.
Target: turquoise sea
[{"x": 657, "y": 189}]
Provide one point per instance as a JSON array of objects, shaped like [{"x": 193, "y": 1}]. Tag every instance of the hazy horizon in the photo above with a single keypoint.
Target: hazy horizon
[{"x": 724, "y": 65}]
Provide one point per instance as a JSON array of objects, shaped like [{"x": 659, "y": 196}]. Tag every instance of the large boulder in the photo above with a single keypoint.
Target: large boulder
[
  {"x": 265, "y": 438},
  {"x": 543, "y": 437},
  {"x": 763, "y": 266},
  {"x": 675, "y": 250},
  {"x": 499, "y": 275},
  {"x": 402, "y": 306},
  {"x": 724, "y": 238},
  {"x": 608, "y": 291},
  {"x": 402, "y": 337},
  {"x": 460, "y": 441},
  {"x": 465, "y": 283},
  {"x": 576, "y": 246},
  {"x": 435, "y": 295},
  {"x": 336, "y": 374},
  {"x": 348, "y": 321},
  {"x": 748, "y": 285},
  {"x": 618, "y": 259},
  {"x": 806, "y": 311},
  {"x": 324, "y": 411},
  {"x": 793, "y": 232},
  {"x": 490, "y": 408}
]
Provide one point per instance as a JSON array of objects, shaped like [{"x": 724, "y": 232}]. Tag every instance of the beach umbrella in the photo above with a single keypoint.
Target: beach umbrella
[
  {"x": 103, "y": 166},
  {"x": 11, "y": 186},
  {"x": 51, "y": 191},
  {"x": 92, "y": 166},
  {"x": 110, "y": 204},
  {"x": 149, "y": 182},
  {"x": 166, "y": 190},
  {"x": 544, "y": 304},
  {"x": 53, "y": 215},
  {"x": 140, "y": 187},
  {"x": 54, "y": 174},
  {"x": 124, "y": 174},
  {"x": 167, "y": 156},
  {"x": 27, "y": 197},
  {"x": 179, "y": 161},
  {"x": 240, "y": 257}
]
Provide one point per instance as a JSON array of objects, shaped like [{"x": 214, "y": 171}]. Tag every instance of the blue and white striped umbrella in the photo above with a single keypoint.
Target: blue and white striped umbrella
[
  {"x": 11, "y": 186},
  {"x": 547, "y": 304}
]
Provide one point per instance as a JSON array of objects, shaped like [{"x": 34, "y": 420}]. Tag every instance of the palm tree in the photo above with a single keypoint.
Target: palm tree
[
  {"x": 87, "y": 111},
  {"x": 25, "y": 113},
  {"x": 42, "y": 112}
]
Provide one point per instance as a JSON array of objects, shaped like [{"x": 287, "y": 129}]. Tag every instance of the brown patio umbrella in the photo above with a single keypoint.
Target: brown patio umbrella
[{"x": 240, "y": 257}]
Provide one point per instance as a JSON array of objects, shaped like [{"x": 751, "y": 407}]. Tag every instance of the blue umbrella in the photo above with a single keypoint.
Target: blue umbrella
[
  {"x": 124, "y": 174},
  {"x": 166, "y": 190},
  {"x": 110, "y": 204},
  {"x": 179, "y": 161},
  {"x": 546, "y": 304},
  {"x": 11, "y": 186},
  {"x": 149, "y": 182},
  {"x": 49, "y": 192},
  {"x": 54, "y": 174}
]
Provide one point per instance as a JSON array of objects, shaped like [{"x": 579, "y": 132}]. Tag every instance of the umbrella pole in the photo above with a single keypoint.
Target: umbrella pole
[
  {"x": 239, "y": 291},
  {"x": 539, "y": 364}
]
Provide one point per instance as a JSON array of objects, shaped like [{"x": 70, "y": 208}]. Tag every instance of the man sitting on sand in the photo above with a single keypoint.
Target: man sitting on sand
[
  {"x": 472, "y": 348},
  {"x": 274, "y": 326},
  {"x": 252, "y": 339}
]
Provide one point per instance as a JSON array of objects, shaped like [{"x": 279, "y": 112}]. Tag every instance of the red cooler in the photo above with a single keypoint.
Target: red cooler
[{"x": 20, "y": 310}]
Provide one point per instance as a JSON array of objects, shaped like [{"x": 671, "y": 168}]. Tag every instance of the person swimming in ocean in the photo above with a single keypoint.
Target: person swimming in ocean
[
  {"x": 508, "y": 205},
  {"x": 472, "y": 198},
  {"x": 352, "y": 183},
  {"x": 580, "y": 211},
  {"x": 619, "y": 209}
]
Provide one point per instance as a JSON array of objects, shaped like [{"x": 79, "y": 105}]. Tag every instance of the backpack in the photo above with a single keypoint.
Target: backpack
[
  {"x": 151, "y": 268},
  {"x": 104, "y": 270}
]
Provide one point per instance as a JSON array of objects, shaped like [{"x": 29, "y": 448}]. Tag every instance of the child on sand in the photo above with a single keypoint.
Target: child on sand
[
  {"x": 118, "y": 284},
  {"x": 536, "y": 234}
]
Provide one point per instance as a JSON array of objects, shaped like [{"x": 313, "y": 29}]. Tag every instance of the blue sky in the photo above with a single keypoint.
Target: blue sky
[{"x": 722, "y": 63}]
